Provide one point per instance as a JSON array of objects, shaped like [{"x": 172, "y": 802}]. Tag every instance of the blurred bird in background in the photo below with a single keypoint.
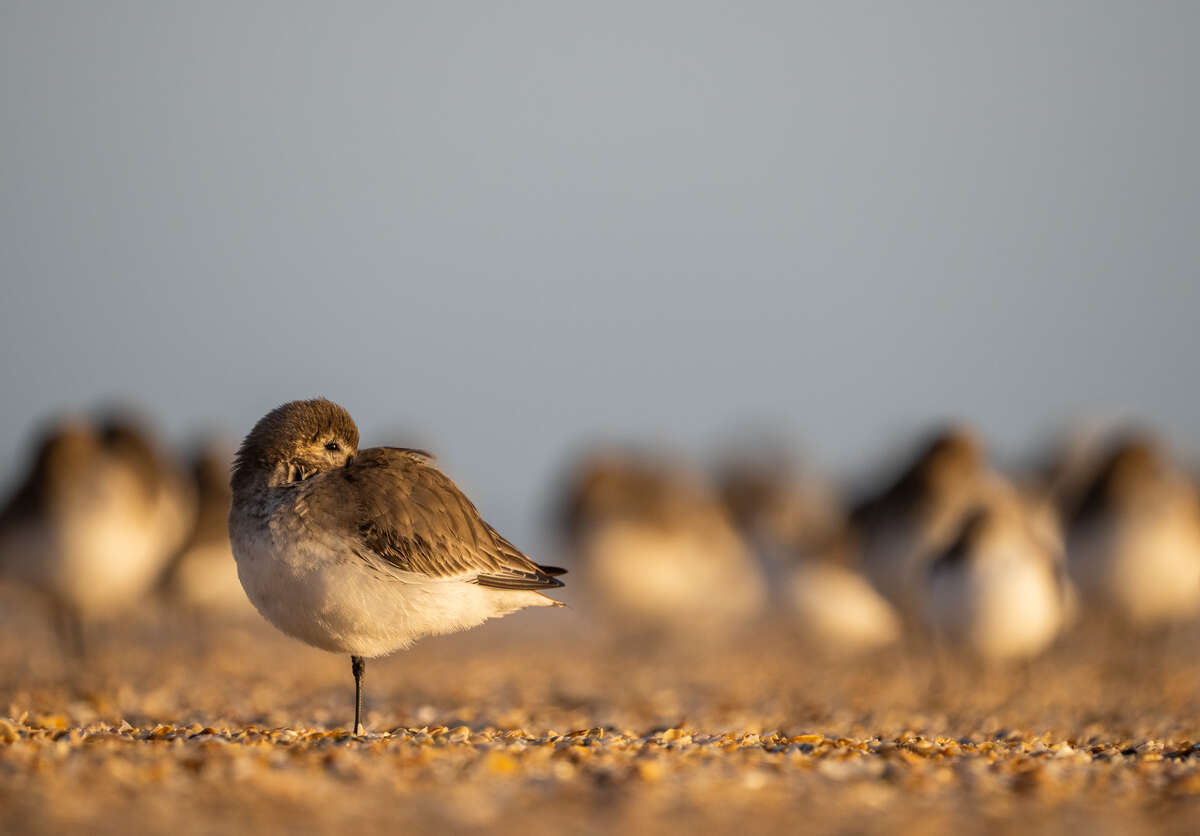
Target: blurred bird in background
[
  {"x": 1134, "y": 537},
  {"x": 999, "y": 592},
  {"x": 655, "y": 545},
  {"x": 203, "y": 574},
  {"x": 900, "y": 528},
  {"x": 951, "y": 554},
  {"x": 795, "y": 521},
  {"x": 92, "y": 523}
]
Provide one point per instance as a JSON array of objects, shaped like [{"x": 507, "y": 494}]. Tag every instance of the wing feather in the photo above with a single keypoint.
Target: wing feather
[{"x": 407, "y": 513}]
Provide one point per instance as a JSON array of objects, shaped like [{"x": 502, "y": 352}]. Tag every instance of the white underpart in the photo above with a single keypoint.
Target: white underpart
[
  {"x": 681, "y": 578},
  {"x": 1004, "y": 604},
  {"x": 838, "y": 608},
  {"x": 897, "y": 553},
  {"x": 206, "y": 577},
  {"x": 1146, "y": 566},
  {"x": 97, "y": 550},
  {"x": 315, "y": 589}
]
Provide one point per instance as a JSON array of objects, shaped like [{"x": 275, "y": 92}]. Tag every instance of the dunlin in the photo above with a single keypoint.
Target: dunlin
[
  {"x": 902, "y": 527},
  {"x": 1134, "y": 538},
  {"x": 364, "y": 552},
  {"x": 169, "y": 494},
  {"x": 999, "y": 591},
  {"x": 657, "y": 547},
  {"x": 796, "y": 522},
  {"x": 838, "y": 609},
  {"x": 93, "y": 522}
]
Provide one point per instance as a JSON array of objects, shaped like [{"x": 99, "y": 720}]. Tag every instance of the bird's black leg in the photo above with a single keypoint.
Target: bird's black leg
[
  {"x": 358, "y": 666},
  {"x": 70, "y": 632}
]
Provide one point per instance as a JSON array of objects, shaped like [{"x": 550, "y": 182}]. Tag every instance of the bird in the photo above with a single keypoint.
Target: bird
[
  {"x": 659, "y": 552},
  {"x": 363, "y": 552},
  {"x": 203, "y": 574},
  {"x": 795, "y": 521},
  {"x": 1134, "y": 538},
  {"x": 838, "y": 608},
  {"x": 93, "y": 521},
  {"x": 900, "y": 528},
  {"x": 171, "y": 497},
  {"x": 999, "y": 591}
]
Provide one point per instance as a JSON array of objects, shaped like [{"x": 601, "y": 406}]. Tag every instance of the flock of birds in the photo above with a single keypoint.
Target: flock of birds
[{"x": 949, "y": 551}]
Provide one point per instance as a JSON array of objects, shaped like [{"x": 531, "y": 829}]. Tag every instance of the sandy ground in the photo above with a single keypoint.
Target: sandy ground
[{"x": 533, "y": 725}]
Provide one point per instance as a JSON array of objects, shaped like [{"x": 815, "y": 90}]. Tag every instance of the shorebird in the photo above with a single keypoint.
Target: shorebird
[
  {"x": 1134, "y": 537},
  {"x": 838, "y": 608},
  {"x": 169, "y": 495},
  {"x": 999, "y": 591},
  {"x": 901, "y": 528},
  {"x": 93, "y": 521},
  {"x": 657, "y": 547},
  {"x": 363, "y": 552},
  {"x": 203, "y": 575},
  {"x": 794, "y": 519}
]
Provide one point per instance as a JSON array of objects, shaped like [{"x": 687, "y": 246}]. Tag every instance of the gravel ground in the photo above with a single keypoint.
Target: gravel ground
[{"x": 179, "y": 725}]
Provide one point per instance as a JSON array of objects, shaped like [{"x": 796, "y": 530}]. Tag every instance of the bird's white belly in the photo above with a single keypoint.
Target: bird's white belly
[
  {"x": 96, "y": 563},
  {"x": 839, "y": 608},
  {"x": 1001, "y": 609},
  {"x": 679, "y": 578},
  {"x": 1149, "y": 570},
  {"x": 337, "y": 602}
]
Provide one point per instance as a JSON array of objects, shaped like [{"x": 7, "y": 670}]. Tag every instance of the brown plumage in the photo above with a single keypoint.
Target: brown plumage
[
  {"x": 405, "y": 511},
  {"x": 903, "y": 526}
]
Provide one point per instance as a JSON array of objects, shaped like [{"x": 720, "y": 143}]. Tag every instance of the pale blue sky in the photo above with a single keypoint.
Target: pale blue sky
[{"x": 511, "y": 227}]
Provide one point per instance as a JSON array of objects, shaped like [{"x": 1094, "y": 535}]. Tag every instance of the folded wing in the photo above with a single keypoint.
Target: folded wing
[{"x": 409, "y": 514}]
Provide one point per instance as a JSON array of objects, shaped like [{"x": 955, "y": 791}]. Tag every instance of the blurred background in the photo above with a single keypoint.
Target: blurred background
[{"x": 509, "y": 231}]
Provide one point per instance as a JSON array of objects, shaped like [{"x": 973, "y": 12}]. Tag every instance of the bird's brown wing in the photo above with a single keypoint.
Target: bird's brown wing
[{"x": 403, "y": 510}]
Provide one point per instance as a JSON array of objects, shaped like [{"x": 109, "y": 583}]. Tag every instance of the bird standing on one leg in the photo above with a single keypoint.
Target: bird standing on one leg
[{"x": 364, "y": 552}]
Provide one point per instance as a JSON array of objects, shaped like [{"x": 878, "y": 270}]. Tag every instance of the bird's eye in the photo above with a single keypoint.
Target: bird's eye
[{"x": 332, "y": 447}]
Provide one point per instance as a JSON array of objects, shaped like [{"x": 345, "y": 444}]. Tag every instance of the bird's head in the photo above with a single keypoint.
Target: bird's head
[
  {"x": 1134, "y": 470},
  {"x": 952, "y": 458},
  {"x": 295, "y": 441},
  {"x": 64, "y": 450}
]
